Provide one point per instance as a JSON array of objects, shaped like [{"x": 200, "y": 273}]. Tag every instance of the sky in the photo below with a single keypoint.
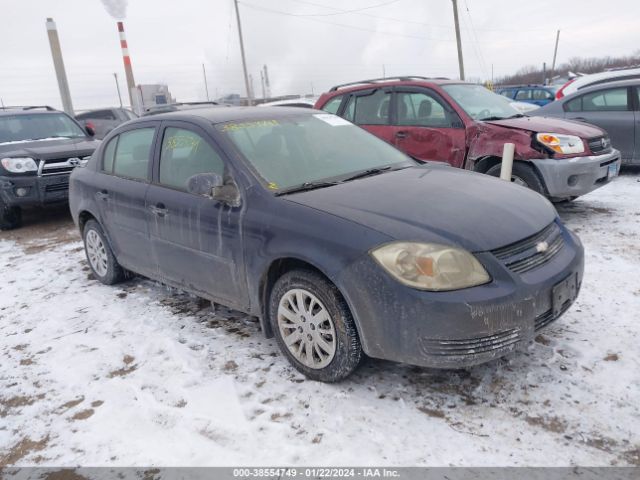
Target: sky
[{"x": 308, "y": 45}]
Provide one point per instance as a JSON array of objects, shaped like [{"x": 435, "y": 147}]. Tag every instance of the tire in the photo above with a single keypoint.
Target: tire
[
  {"x": 101, "y": 259},
  {"x": 331, "y": 360},
  {"x": 10, "y": 217},
  {"x": 522, "y": 174}
]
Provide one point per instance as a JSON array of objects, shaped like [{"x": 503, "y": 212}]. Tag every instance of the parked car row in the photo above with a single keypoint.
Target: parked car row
[{"x": 285, "y": 213}]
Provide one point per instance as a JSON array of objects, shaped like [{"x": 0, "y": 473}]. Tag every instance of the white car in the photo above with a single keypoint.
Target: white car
[
  {"x": 525, "y": 107},
  {"x": 584, "y": 81}
]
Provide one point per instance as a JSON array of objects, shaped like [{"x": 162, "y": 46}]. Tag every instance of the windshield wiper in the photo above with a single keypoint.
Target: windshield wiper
[
  {"x": 517, "y": 115},
  {"x": 303, "y": 187},
  {"x": 367, "y": 173},
  {"x": 489, "y": 119}
]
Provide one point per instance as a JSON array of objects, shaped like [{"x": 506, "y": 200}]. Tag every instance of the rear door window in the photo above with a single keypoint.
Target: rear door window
[
  {"x": 524, "y": 94},
  {"x": 540, "y": 94},
  {"x": 131, "y": 159},
  {"x": 369, "y": 109},
  {"x": 613, "y": 100},
  {"x": 184, "y": 154}
]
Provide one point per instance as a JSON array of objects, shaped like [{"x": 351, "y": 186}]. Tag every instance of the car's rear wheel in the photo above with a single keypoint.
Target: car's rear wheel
[
  {"x": 522, "y": 175},
  {"x": 314, "y": 327},
  {"x": 10, "y": 217},
  {"x": 101, "y": 259}
]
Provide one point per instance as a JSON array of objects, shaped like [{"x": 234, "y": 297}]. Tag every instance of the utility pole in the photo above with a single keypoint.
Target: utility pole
[
  {"x": 115, "y": 75},
  {"x": 544, "y": 73},
  {"x": 206, "y": 87},
  {"x": 58, "y": 63},
  {"x": 458, "y": 40},
  {"x": 555, "y": 55},
  {"x": 264, "y": 96},
  {"x": 244, "y": 61}
]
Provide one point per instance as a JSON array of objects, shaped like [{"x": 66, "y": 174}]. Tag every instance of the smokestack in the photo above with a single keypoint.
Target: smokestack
[
  {"x": 58, "y": 63},
  {"x": 131, "y": 84}
]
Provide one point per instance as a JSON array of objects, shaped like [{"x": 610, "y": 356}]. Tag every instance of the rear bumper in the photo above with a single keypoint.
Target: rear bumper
[
  {"x": 37, "y": 190},
  {"x": 465, "y": 327},
  {"x": 577, "y": 176}
]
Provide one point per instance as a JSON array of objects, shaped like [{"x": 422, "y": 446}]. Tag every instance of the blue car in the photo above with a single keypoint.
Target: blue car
[
  {"x": 536, "y": 94},
  {"x": 340, "y": 244}
]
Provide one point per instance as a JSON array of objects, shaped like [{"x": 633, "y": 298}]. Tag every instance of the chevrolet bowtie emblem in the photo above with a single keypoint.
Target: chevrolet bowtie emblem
[{"x": 542, "y": 247}]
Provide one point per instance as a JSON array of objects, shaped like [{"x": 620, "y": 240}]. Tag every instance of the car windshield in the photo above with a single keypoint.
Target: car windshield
[
  {"x": 480, "y": 103},
  {"x": 37, "y": 126},
  {"x": 302, "y": 150}
]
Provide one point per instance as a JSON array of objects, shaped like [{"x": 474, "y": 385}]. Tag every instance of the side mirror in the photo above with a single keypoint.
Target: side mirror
[
  {"x": 212, "y": 185},
  {"x": 90, "y": 131}
]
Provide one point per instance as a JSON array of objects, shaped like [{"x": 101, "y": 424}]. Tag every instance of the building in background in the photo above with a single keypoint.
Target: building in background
[{"x": 146, "y": 96}]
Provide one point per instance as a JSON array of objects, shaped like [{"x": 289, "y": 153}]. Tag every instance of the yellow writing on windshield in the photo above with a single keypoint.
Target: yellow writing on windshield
[{"x": 258, "y": 123}]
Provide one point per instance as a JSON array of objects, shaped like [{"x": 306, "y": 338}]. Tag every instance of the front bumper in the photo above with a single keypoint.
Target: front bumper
[
  {"x": 40, "y": 190},
  {"x": 465, "y": 327},
  {"x": 572, "y": 177}
]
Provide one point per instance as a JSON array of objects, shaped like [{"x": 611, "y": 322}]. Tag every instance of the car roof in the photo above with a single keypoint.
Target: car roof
[
  {"x": 221, "y": 115},
  {"x": 604, "y": 86},
  {"x": 391, "y": 82},
  {"x": 28, "y": 110}
]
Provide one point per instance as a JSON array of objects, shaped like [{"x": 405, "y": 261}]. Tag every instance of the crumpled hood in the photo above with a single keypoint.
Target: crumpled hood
[
  {"x": 550, "y": 125},
  {"x": 55, "y": 148},
  {"x": 437, "y": 204}
]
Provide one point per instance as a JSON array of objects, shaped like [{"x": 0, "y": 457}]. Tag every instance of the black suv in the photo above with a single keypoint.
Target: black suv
[{"x": 39, "y": 147}]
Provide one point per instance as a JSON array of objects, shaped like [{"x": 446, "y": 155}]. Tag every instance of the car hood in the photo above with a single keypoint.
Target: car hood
[
  {"x": 54, "y": 148},
  {"x": 437, "y": 204},
  {"x": 540, "y": 124}
]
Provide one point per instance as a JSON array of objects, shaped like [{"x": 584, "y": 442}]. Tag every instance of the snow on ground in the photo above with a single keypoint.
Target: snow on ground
[{"x": 139, "y": 374}]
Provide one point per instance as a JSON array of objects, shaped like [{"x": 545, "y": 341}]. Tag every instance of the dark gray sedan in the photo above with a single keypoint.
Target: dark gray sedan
[
  {"x": 613, "y": 106},
  {"x": 339, "y": 243}
]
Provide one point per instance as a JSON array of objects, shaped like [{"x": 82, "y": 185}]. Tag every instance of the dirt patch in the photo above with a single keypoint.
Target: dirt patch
[
  {"x": 68, "y": 405},
  {"x": 26, "y": 361},
  {"x": 230, "y": 366},
  {"x": 64, "y": 474},
  {"x": 97, "y": 403},
  {"x": 126, "y": 370},
  {"x": 276, "y": 417},
  {"x": 84, "y": 414},
  {"x": 612, "y": 357},
  {"x": 632, "y": 457},
  {"x": 551, "y": 424},
  {"x": 21, "y": 449},
  {"x": 17, "y": 402},
  {"x": 432, "y": 412}
]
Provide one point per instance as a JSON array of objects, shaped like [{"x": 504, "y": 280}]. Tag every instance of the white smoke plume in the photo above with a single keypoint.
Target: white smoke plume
[{"x": 116, "y": 8}]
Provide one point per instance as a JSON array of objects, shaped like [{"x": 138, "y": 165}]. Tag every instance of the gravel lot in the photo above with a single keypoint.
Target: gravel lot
[{"x": 139, "y": 374}]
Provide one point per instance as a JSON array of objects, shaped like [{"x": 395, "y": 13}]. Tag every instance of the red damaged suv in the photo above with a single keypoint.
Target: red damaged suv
[{"x": 467, "y": 126}]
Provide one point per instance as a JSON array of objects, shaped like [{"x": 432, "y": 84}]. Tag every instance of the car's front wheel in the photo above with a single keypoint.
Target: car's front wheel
[
  {"x": 10, "y": 217},
  {"x": 101, "y": 259},
  {"x": 314, "y": 327},
  {"x": 522, "y": 175}
]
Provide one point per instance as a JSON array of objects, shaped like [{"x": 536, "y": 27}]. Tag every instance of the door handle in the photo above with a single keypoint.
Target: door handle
[
  {"x": 401, "y": 134},
  {"x": 159, "y": 209},
  {"x": 102, "y": 195}
]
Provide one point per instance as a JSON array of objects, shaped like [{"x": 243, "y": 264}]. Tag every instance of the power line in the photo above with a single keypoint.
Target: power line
[
  {"x": 476, "y": 44},
  {"x": 341, "y": 12},
  {"x": 343, "y": 25}
]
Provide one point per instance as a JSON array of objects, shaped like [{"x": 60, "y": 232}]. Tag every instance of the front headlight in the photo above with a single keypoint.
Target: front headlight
[
  {"x": 564, "y": 144},
  {"x": 429, "y": 266},
  {"x": 19, "y": 164}
]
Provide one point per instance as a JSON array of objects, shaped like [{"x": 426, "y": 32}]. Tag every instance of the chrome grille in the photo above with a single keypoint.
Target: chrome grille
[
  {"x": 532, "y": 252},
  {"x": 599, "y": 145},
  {"x": 57, "y": 166}
]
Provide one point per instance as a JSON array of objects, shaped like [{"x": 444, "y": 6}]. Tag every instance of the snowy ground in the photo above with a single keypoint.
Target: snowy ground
[{"x": 141, "y": 375}]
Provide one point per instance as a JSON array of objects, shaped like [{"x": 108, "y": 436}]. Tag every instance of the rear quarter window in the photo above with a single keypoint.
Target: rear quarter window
[
  {"x": 108, "y": 156},
  {"x": 333, "y": 105}
]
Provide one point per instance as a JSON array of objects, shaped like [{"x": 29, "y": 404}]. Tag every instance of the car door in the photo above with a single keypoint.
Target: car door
[
  {"x": 636, "y": 112},
  {"x": 427, "y": 128},
  {"x": 610, "y": 109},
  {"x": 195, "y": 240},
  {"x": 371, "y": 110},
  {"x": 125, "y": 172}
]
